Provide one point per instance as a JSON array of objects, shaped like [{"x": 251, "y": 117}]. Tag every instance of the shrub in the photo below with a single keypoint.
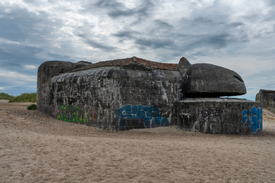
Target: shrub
[{"x": 31, "y": 107}]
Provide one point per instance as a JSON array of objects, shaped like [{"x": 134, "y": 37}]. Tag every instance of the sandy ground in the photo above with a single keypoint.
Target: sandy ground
[{"x": 37, "y": 148}]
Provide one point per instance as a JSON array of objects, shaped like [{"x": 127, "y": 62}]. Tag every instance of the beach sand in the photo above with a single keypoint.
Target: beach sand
[{"x": 37, "y": 148}]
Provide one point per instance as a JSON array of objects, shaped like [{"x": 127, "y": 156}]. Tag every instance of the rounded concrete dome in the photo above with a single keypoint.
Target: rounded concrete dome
[{"x": 207, "y": 80}]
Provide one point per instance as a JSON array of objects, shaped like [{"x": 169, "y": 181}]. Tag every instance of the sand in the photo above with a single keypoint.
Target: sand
[{"x": 37, "y": 148}]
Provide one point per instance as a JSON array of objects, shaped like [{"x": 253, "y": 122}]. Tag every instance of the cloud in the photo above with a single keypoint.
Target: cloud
[
  {"x": 117, "y": 9},
  {"x": 109, "y": 4},
  {"x": 126, "y": 34},
  {"x": 30, "y": 66},
  {"x": 210, "y": 41},
  {"x": 12, "y": 57},
  {"x": 26, "y": 36},
  {"x": 153, "y": 43},
  {"x": 96, "y": 44},
  {"x": 22, "y": 25},
  {"x": 16, "y": 76},
  {"x": 201, "y": 19},
  {"x": 145, "y": 41},
  {"x": 15, "y": 83},
  {"x": 162, "y": 24},
  {"x": 257, "y": 81},
  {"x": 236, "y": 34}
]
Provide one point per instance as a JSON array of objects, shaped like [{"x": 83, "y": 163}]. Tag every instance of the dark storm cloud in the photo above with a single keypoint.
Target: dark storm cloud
[
  {"x": 117, "y": 9},
  {"x": 96, "y": 44}
]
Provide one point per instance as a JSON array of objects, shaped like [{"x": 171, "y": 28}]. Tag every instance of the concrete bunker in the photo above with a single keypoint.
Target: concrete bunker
[
  {"x": 137, "y": 93},
  {"x": 267, "y": 98}
]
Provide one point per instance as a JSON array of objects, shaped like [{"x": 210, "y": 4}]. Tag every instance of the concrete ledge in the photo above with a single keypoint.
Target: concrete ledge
[{"x": 218, "y": 116}]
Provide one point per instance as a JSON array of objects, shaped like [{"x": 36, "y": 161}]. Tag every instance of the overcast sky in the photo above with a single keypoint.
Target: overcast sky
[{"x": 236, "y": 34}]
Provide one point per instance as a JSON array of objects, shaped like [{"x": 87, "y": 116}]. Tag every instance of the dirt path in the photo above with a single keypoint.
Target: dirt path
[{"x": 37, "y": 148}]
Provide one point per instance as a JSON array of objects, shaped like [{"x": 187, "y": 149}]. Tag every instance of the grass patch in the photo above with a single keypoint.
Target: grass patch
[
  {"x": 6, "y": 96},
  {"x": 24, "y": 97}
]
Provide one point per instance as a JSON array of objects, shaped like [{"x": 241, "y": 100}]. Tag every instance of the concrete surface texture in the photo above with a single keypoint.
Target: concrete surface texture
[
  {"x": 207, "y": 80},
  {"x": 267, "y": 98},
  {"x": 114, "y": 95},
  {"x": 215, "y": 115},
  {"x": 183, "y": 66},
  {"x": 129, "y": 93}
]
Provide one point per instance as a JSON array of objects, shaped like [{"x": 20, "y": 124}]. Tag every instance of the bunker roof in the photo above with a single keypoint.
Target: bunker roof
[{"x": 128, "y": 61}]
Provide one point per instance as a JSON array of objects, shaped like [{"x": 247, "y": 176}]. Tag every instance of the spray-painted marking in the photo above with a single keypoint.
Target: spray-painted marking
[
  {"x": 146, "y": 116},
  {"x": 254, "y": 118},
  {"x": 206, "y": 120},
  {"x": 74, "y": 114}
]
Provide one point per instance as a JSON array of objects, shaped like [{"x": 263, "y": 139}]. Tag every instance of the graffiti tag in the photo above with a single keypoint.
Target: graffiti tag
[
  {"x": 74, "y": 114},
  {"x": 254, "y": 119},
  {"x": 146, "y": 116}
]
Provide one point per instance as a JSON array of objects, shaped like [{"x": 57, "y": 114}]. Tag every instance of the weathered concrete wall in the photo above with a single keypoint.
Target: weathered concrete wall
[
  {"x": 215, "y": 115},
  {"x": 45, "y": 72},
  {"x": 114, "y": 98},
  {"x": 267, "y": 98},
  {"x": 137, "y": 93}
]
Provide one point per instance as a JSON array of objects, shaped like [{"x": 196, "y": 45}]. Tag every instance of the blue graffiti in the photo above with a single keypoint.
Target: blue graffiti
[
  {"x": 145, "y": 116},
  {"x": 254, "y": 118},
  {"x": 245, "y": 116}
]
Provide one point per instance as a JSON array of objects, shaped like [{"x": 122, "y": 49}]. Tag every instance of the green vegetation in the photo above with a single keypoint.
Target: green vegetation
[
  {"x": 31, "y": 107},
  {"x": 6, "y": 96},
  {"x": 24, "y": 97}
]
